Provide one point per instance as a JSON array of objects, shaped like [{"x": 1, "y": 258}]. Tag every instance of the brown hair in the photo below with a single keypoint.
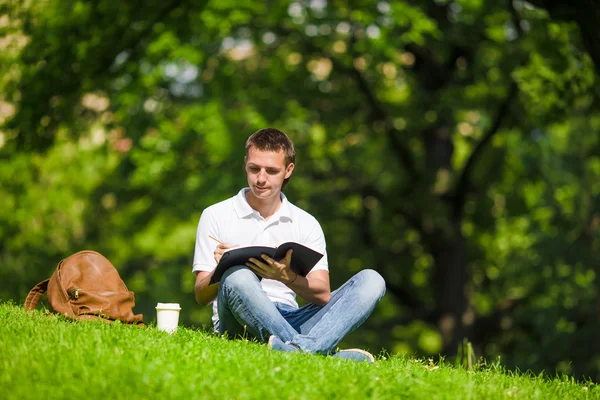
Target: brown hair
[{"x": 271, "y": 139}]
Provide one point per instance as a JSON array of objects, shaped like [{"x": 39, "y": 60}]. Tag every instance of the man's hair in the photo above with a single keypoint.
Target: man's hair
[{"x": 271, "y": 139}]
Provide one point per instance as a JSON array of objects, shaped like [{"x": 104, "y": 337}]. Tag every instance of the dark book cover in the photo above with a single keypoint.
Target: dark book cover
[{"x": 303, "y": 258}]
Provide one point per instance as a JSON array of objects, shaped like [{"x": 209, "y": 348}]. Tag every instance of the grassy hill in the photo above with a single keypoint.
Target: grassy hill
[{"x": 46, "y": 357}]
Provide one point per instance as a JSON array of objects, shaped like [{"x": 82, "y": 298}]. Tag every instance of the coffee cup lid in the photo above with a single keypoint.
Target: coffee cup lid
[{"x": 168, "y": 306}]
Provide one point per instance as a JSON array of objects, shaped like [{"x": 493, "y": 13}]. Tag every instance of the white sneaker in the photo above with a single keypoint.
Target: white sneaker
[{"x": 355, "y": 355}]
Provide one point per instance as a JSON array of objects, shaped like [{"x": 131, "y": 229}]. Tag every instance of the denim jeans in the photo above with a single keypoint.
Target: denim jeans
[{"x": 245, "y": 308}]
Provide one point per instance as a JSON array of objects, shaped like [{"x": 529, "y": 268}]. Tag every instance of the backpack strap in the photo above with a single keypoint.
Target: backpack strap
[{"x": 36, "y": 294}]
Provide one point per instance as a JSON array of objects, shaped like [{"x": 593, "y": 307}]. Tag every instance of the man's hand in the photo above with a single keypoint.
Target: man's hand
[
  {"x": 221, "y": 248},
  {"x": 271, "y": 269}
]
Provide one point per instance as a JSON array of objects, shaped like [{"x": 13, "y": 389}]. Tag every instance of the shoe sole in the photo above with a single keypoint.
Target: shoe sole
[{"x": 369, "y": 356}]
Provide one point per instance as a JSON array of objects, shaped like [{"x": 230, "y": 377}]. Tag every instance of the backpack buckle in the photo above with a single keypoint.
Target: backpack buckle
[{"x": 73, "y": 293}]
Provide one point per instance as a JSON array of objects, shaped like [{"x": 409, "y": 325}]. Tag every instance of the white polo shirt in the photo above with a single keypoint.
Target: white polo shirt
[{"x": 234, "y": 221}]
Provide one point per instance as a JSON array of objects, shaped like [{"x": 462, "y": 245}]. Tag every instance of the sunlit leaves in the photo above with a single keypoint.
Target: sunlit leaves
[
  {"x": 419, "y": 25},
  {"x": 550, "y": 85}
]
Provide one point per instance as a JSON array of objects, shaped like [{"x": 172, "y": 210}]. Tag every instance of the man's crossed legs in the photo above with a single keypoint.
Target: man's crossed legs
[{"x": 244, "y": 307}]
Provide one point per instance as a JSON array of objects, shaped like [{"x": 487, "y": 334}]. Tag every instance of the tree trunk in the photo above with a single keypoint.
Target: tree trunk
[{"x": 449, "y": 281}]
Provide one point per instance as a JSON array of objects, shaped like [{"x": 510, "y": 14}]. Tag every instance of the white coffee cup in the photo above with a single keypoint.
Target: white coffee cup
[{"x": 167, "y": 316}]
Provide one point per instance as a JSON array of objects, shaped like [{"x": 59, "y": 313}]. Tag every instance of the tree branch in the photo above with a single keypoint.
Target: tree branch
[
  {"x": 379, "y": 115},
  {"x": 134, "y": 42},
  {"x": 463, "y": 186},
  {"x": 464, "y": 182}
]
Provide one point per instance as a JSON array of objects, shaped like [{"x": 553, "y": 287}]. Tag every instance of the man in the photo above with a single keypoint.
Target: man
[{"x": 261, "y": 215}]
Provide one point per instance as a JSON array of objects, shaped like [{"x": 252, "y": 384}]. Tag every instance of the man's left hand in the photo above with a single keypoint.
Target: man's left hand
[{"x": 268, "y": 268}]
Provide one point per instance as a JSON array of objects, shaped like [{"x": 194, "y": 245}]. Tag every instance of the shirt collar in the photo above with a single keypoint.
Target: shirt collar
[{"x": 243, "y": 209}]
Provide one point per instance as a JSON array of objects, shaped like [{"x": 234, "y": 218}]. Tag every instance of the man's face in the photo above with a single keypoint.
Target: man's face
[{"x": 266, "y": 171}]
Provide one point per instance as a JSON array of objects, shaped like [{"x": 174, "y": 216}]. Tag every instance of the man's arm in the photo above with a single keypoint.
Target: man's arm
[
  {"x": 314, "y": 288},
  {"x": 205, "y": 293}
]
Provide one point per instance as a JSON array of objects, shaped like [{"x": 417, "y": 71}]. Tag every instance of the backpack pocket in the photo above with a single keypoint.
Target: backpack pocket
[{"x": 106, "y": 305}]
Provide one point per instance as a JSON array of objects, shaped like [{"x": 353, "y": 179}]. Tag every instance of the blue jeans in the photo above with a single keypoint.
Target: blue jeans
[{"x": 245, "y": 308}]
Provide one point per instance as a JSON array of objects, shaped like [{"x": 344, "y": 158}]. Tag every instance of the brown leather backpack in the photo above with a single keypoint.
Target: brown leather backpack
[{"x": 86, "y": 286}]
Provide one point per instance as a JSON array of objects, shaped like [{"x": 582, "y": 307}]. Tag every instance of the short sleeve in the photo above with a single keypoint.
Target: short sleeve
[
  {"x": 203, "y": 252},
  {"x": 315, "y": 239}
]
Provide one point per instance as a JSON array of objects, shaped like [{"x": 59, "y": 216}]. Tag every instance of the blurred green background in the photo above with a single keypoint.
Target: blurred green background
[{"x": 451, "y": 145}]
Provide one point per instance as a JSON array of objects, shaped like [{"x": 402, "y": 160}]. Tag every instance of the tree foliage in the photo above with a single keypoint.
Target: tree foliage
[{"x": 452, "y": 146}]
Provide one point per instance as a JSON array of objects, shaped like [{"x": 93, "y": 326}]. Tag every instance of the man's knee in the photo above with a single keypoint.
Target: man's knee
[
  {"x": 237, "y": 277},
  {"x": 372, "y": 282}
]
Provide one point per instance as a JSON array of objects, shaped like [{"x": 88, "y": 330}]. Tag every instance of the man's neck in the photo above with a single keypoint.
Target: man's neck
[{"x": 266, "y": 208}]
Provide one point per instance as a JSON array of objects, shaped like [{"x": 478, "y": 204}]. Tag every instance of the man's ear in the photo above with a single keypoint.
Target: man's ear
[{"x": 288, "y": 170}]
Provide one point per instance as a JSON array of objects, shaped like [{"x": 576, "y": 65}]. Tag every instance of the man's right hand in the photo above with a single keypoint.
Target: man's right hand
[{"x": 222, "y": 248}]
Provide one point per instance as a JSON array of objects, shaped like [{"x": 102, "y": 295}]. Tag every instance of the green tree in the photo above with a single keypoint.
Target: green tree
[{"x": 449, "y": 145}]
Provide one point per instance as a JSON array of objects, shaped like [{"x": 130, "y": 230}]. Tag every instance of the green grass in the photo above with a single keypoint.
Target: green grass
[{"x": 46, "y": 357}]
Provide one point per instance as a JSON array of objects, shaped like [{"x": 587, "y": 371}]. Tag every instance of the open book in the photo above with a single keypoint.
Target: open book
[{"x": 303, "y": 258}]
